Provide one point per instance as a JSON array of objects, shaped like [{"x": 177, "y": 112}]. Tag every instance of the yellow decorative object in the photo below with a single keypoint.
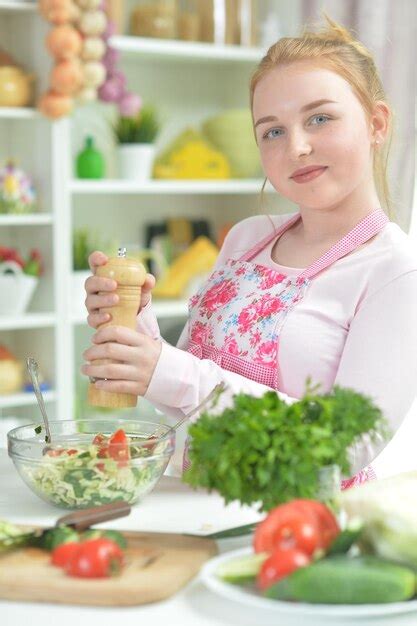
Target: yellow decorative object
[
  {"x": 198, "y": 259},
  {"x": 11, "y": 372},
  {"x": 191, "y": 156},
  {"x": 16, "y": 87}
]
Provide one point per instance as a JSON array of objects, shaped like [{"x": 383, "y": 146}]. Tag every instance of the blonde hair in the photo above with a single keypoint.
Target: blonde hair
[{"x": 335, "y": 48}]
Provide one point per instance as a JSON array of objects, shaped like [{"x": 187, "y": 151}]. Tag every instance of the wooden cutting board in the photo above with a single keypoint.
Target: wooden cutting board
[{"x": 157, "y": 566}]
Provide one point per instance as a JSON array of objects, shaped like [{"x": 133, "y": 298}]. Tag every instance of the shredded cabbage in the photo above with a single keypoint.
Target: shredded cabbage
[{"x": 83, "y": 479}]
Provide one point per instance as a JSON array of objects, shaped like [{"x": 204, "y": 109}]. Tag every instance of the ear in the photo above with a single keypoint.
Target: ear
[{"x": 379, "y": 122}]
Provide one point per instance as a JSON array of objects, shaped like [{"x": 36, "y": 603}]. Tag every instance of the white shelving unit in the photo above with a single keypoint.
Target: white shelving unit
[
  {"x": 23, "y": 113},
  {"x": 188, "y": 82},
  {"x": 198, "y": 187},
  {"x": 184, "y": 51}
]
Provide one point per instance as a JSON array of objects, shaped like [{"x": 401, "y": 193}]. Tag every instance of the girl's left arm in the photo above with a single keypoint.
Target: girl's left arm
[{"x": 380, "y": 355}]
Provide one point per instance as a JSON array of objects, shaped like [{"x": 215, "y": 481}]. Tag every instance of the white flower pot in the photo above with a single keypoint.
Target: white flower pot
[
  {"x": 78, "y": 294},
  {"x": 16, "y": 288},
  {"x": 136, "y": 161}
]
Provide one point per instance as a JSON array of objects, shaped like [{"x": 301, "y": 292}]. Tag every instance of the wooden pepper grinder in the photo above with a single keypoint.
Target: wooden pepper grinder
[{"x": 130, "y": 276}]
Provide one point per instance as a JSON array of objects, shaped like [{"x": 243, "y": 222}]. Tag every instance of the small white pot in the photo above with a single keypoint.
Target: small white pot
[
  {"x": 16, "y": 288},
  {"x": 78, "y": 294},
  {"x": 136, "y": 161}
]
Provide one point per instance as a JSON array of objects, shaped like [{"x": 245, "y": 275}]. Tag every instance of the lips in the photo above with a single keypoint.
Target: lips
[
  {"x": 308, "y": 173},
  {"x": 307, "y": 170}
]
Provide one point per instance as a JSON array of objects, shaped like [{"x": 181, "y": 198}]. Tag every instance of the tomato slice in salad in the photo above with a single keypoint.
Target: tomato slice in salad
[{"x": 119, "y": 447}]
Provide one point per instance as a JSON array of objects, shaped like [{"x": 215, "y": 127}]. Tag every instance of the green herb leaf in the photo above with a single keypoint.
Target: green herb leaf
[{"x": 266, "y": 452}]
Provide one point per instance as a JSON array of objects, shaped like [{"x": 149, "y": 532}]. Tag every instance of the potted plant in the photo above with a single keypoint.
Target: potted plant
[
  {"x": 18, "y": 279},
  {"x": 135, "y": 136},
  {"x": 83, "y": 244}
]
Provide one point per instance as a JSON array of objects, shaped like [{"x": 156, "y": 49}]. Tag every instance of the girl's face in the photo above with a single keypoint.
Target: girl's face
[{"x": 307, "y": 116}]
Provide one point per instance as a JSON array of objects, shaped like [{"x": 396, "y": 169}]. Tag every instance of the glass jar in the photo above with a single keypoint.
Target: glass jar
[
  {"x": 189, "y": 20},
  {"x": 157, "y": 18},
  {"x": 329, "y": 477},
  {"x": 219, "y": 21}
]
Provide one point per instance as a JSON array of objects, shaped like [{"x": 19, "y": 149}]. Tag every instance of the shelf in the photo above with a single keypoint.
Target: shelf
[
  {"x": 20, "y": 7},
  {"x": 30, "y": 219},
  {"x": 163, "y": 309},
  {"x": 115, "y": 186},
  {"x": 184, "y": 50},
  {"x": 19, "y": 113},
  {"x": 24, "y": 399},
  {"x": 29, "y": 320}
]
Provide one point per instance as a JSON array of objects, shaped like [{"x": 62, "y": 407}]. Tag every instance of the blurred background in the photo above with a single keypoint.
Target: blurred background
[{"x": 126, "y": 123}]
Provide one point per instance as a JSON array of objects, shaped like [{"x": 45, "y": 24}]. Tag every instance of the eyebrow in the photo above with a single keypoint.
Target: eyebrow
[{"x": 306, "y": 107}]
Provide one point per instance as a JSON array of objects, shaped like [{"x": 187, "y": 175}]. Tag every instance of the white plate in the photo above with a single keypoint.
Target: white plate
[{"x": 253, "y": 599}]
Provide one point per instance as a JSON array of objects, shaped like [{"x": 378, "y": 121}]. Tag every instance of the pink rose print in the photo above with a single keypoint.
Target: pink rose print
[
  {"x": 255, "y": 339},
  {"x": 270, "y": 278},
  {"x": 218, "y": 296},
  {"x": 240, "y": 271},
  {"x": 247, "y": 318},
  {"x": 194, "y": 300},
  {"x": 266, "y": 354},
  {"x": 268, "y": 305},
  {"x": 257, "y": 310},
  {"x": 199, "y": 332},
  {"x": 230, "y": 345}
]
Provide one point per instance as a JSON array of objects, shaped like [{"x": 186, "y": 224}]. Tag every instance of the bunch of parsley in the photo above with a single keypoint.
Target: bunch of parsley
[{"x": 263, "y": 450}]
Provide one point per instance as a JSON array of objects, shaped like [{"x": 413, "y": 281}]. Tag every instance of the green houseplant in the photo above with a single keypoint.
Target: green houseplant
[
  {"x": 84, "y": 242},
  {"x": 135, "y": 137}
]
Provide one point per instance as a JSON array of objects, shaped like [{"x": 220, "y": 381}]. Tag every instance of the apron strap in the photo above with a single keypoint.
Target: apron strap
[
  {"x": 252, "y": 252},
  {"x": 368, "y": 227}
]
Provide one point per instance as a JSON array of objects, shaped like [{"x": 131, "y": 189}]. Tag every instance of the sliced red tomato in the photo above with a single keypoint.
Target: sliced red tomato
[
  {"x": 288, "y": 526},
  {"x": 119, "y": 447},
  {"x": 64, "y": 552},
  {"x": 55, "y": 452},
  {"x": 97, "y": 558},
  {"x": 279, "y": 565},
  {"x": 101, "y": 441}
]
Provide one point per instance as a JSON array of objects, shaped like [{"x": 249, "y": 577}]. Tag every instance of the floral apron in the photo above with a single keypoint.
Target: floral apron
[{"x": 236, "y": 318}]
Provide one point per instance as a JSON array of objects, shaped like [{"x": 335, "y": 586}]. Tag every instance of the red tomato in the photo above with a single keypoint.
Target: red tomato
[
  {"x": 118, "y": 447},
  {"x": 64, "y": 552},
  {"x": 101, "y": 441},
  {"x": 55, "y": 452},
  {"x": 279, "y": 565},
  {"x": 329, "y": 526},
  {"x": 97, "y": 558},
  {"x": 289, "y": 527}
]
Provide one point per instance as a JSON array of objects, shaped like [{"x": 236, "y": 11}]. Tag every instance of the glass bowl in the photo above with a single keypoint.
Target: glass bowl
[{"x": 74, "y": 472}]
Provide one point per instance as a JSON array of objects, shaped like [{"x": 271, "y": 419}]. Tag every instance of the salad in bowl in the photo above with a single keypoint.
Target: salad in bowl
[{"x": 91, "y": 461}]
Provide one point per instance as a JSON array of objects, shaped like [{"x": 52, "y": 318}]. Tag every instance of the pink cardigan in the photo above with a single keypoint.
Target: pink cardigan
[{"x": 355, "y": 327}]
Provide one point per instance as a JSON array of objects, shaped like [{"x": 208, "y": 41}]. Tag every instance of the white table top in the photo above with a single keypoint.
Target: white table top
[{"x": 172, "y": 507}]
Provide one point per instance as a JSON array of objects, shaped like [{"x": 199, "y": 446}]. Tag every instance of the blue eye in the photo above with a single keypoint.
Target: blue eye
[
  {"x": 271, "y": 133},
  {"x": 324, "y": 117}
]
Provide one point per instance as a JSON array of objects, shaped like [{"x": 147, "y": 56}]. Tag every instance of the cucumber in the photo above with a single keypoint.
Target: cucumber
[
  {"x": 346, "y": 580},
  {"x": 346, "y": 538},
  {"x": 243, "y": 570}
]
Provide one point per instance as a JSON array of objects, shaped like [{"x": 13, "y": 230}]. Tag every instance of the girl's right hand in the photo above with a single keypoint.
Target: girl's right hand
[{"x": 95, "y": 284}]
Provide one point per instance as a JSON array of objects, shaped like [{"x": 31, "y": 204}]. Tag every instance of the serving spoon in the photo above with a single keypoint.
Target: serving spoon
[
  {"x": 33, "y": 369},
  {"x": 215, "y": 392}
]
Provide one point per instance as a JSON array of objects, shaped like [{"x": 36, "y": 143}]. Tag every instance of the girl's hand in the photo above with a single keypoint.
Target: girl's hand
[
  {"x": 135, "y": 356},
  {"x": 95, "y": 301}
]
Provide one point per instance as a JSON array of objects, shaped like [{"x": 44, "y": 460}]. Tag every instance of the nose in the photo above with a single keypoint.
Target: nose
[{"x": 299, "y": 144}]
